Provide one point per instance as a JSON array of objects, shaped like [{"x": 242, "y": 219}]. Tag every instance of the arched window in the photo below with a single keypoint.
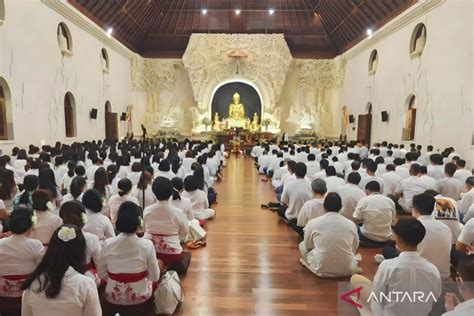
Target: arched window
[
  {"x": 418, "y": 40},
  {"x": 373, "y": 62},
  {"x": 410, "y": 121},
  {"x": 64, "y": 39},
  {"x": 2, "y": 12},
  {"x": 6, "y": 130},
  {"x": 104, "y": 60},
  {"x": 70, "y": 115},
  {"x": 368, "y": 108}
]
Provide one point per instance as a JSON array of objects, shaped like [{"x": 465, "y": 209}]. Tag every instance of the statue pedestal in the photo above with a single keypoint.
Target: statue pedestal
[{"x": 235, "y": 123}]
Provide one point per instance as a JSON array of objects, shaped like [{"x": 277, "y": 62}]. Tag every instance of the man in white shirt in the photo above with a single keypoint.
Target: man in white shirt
[
  {"x": 370, "y": 168},
  {"x": 435, "y": 168},
  {"x": 436, "y": 246},
  {"x": 330, "y": 242},
  {"x": 376, "y": 213},
  {"x": 462, "y": 173},
  {"x": 390, "y": 180},
  {"x": 332, "y": 180},
  {"x": 446, "y": 212},
  {"x": 465, "y": 242},
  {"x": 468, "y": 197},
  {"x": 263, "y": 161},
  {"x": 323, "y": 164},
  {"x": 465, "y": 282},
  {"x": 312, "y": 208},
  {"x": 350, "y": 194},
  {"x": 428, "y": 182},
  {"x": 408, "y": 273},
  {"x": 295, "y": 194},
  {"x": 312, "y": 166},
  {"x": 450, "y": 186},
  {"x": 408, "y": 188}
]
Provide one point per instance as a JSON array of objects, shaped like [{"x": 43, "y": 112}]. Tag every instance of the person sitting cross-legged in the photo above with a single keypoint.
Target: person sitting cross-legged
[
  {"x": 330, "y": 242},
  {"x": 295, "y": 194},
  {"x": 408, "y": 273},
  {"x": 376, "y": 213},
  {"x": 465, "y": 282},
  {"x": 312, "y": 208}
]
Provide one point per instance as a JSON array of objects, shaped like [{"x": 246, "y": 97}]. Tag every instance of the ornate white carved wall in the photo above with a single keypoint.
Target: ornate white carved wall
[{"x": 296, "y": 94}]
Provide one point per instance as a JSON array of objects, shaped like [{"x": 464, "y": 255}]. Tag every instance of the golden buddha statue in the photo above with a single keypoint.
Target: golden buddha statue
[
  {"x": 254, "y": 126},
  {"x": 217, "y": 122},
  {"x": 236, "y": 109}
]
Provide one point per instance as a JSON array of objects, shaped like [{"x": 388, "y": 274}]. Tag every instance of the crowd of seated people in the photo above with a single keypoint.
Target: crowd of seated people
[
  {"x": 94, "y": 231},
  {"x": 416, "y": 207}
]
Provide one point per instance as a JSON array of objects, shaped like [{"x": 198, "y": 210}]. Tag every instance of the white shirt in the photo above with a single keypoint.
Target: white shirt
[
  {"x": 436, "y": 246},
  {"x": 378, "y": 214},
  {"x": 93, "y": 248},
  {"x": 165, "y": 174},
  {"x": 467, "y": 233},
  {"x": 450, "y": 187},
  {"x": 333, "y": 182},
  {"x": 166, "y": 224},
  {"x": 150, "y": 197},
  {"x": 350, "y": 195},
  {"x": 428, "y": 182},
  {"x": 367, "y": 179},
  {"x": 402, "y": 172},
  {"x": 111, "y": 209},
  {"x": 99, "y": 225},
  {"x": 332, "y": 240},
  {"x": 410, "y": 187},
  {"x": 185, "y": 205},
  {"x": 199, "y": 202},
  {"x": 466, "y": 201},
  {"x": 390, "y": 182},
  {"x": 310, "y": 209},
  {"x": 129, "y": 254},
  {"x": 78, "y": 297},
  {"x": 407, "y": 273},
  {"x": 462, "y": 175},
  {"x": 45, "y": 227},
  {"x": 465, "y": 308},
  {"x": 19, "y": 255},
  {"x": 436, "y": 171},
  {"x": 311, "y": 168},
  {"x": 134, "y": 177},
  {"x": 295, "y": 193}
]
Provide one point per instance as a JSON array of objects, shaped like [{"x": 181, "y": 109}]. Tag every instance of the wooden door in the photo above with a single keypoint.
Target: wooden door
[
  {"x": 411, "y": 123},
  {"x": 111, "y": 126},
  {"x": 3, "y": 116},
  {"x": 364, "y": 128}
]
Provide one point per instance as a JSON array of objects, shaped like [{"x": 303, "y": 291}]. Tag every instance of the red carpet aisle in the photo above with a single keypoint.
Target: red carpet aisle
[{"x": 250, "y": 266}]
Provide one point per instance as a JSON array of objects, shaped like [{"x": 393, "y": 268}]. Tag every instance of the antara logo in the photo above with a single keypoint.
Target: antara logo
[{"x": 353, "y": 297}]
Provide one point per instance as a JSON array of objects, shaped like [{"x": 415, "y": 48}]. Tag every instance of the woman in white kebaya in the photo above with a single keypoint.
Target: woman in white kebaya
[
  {"x": 74, "y": 213},
  {"x": 57, "y": 286},
  {"x": 181, "y": 202},
  {"x": 77, "y": 188},
  {"x": 47, "y": 221},
  {"x": 19, "y": 255},
  {"x": 97, "y": 223},
  {"x": 127, "y": 262},
  {"x": 198, "y": 199},
  {"x": 144, "y": 184},
  {"x": 124, "y": 188}
]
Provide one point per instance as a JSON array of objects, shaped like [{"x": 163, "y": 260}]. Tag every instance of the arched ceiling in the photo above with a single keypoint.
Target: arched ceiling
[{"x": 312, "y": 28}]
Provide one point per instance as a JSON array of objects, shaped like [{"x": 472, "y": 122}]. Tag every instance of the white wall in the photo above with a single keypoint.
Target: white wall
[
  {"x": 441, "y": 79},
  {"x": 39, "y": 76}
]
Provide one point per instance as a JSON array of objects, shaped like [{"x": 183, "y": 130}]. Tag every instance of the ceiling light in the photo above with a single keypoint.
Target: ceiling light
[
  {"x": 237, "y": 12},
  {"x": 271, "y": 11},
  {"x": 204, "y": 11},
  {"x": 369, "y": 32},
  {"x": 110, "y": 31}
]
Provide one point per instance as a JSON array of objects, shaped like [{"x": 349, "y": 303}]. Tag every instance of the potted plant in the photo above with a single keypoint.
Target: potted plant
[
  {"x": 265, "y": 123},
  {"x": 206, "y": 122}
]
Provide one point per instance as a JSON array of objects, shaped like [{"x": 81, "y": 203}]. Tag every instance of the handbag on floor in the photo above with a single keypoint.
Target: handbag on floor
[{"x": 169, "y": 293}]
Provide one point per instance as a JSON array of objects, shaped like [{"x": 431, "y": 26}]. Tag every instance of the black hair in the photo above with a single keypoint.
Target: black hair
[
  {"x": 164, "y": 165},
  {"x": 59, "y": 256},
  {"x": 178, "y": 185},
  {"x": 330, "y": 171},
  {"x": 300, "y": 170},
  {"x": 470, "y": 181},
  {"x": 7, "y": 184},
  {"x": 162, "y": 188},
  {"x": 80, "y": 170},
  {"x": 190, "y": 184},
  {"x": 40, "y": 199},
  {"x": 415, "y": 169},
  {"x": 71, "y": 213},
  {"x": 77, "y": 185},
  {"x": 71, "y": 165},
  {"x": 390, "y": 167},
  {"x": 450, "y": 168},
  {"x": 466, "y": 271},
  {"x": 124, "y": 186},
  {"x": 332, "y": 202},
  {"x": 424, "y": 203},
  {"x": 111, "y": 172},
  {"x": 20, "y": 220},
  {"x": 47, "y": 181},
  {"x": 354, "y": 178},
  {"x": 373, "y": 186},
  {"x": 101, "y": 180},
  {"x": 410, "y": 230},
  {"x": 128, "y": 217},
  {"x": 30, "y": 183},
  {"x": 92, "y": 200}
]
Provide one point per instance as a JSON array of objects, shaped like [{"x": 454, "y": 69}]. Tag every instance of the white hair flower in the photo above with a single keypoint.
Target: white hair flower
[
  {"x": 84, "y": 218},
  {"x": 140, "y": 223},
  {"x": 50, "y": 206},
  {"x": 66, "y": 234},
  {"x": 34, "y": 220}
]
